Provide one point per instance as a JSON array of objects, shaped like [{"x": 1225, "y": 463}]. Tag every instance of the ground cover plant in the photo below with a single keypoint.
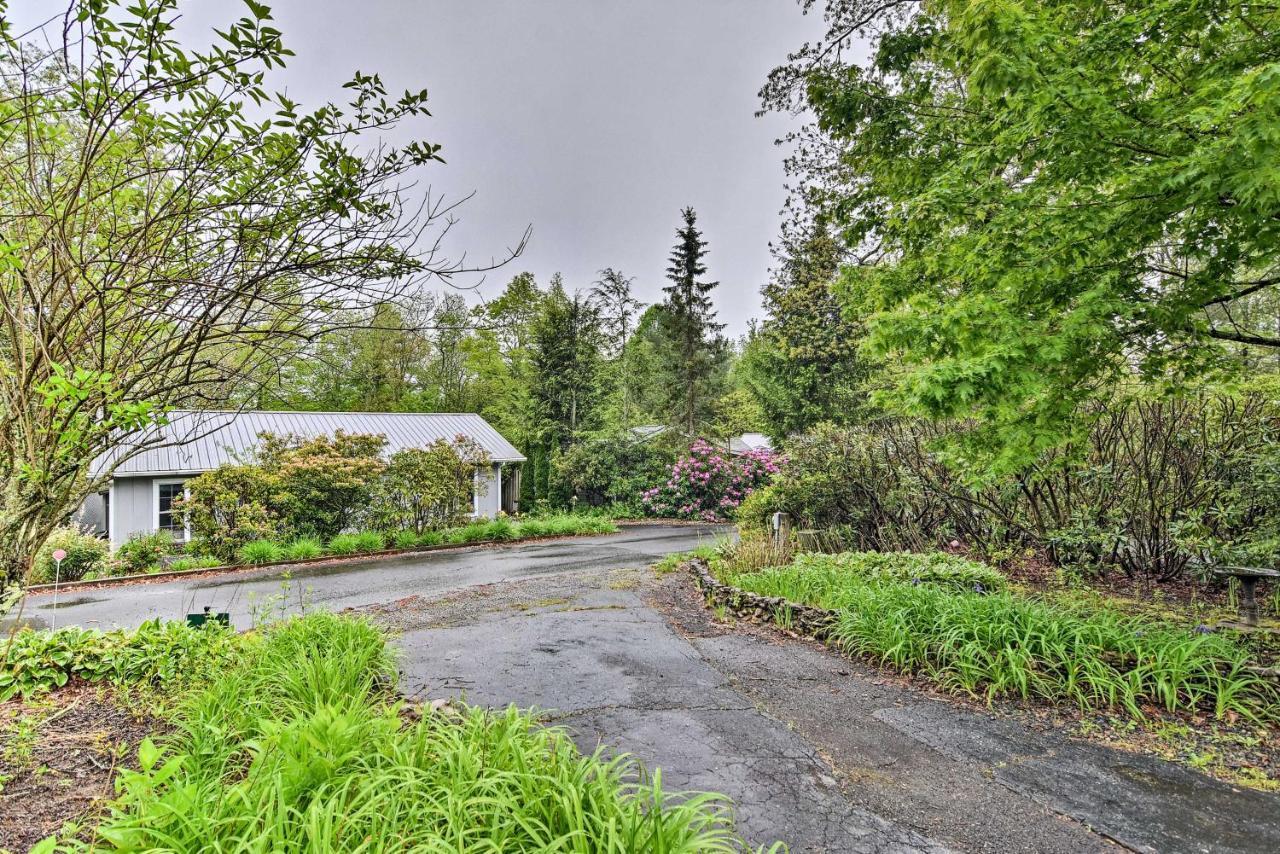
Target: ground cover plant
[
  {"x": 300, "y": 748},
  {"x": 825, "y": 580},
  {"x": 155, "y": 653},
  {"x": 924, "y": 616}
]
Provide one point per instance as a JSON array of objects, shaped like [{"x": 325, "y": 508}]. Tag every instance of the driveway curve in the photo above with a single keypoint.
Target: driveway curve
[{"x": 356, "y": 584}]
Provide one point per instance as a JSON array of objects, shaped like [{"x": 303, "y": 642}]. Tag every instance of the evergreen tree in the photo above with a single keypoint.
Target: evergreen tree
[
  {"x": 566, "y": 364},
  {"x": 611, "y": 295},
  {"x": 802, "y": 365},
  {"x": 695, "y": 363}
]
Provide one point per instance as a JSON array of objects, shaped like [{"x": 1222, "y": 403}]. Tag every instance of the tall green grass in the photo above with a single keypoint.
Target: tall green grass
[
  {"x": 300, "y": 750},
  {"x": 1005, "y": 645}
]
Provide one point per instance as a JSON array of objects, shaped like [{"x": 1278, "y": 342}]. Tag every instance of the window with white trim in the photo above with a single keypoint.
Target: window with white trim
[{"x": 167, "y": 517}]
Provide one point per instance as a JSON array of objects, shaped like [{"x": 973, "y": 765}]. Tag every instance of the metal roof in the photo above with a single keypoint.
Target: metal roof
[
  {"x": 749, "y": 442},
  {"x": 200, "y": 440}
]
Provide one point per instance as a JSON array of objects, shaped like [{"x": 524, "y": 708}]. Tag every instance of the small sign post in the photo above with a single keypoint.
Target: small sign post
[{"x": 58, "y": 556}]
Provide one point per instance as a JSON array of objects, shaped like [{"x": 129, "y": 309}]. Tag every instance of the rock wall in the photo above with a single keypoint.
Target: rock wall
[{"x": 802, "y": 619}]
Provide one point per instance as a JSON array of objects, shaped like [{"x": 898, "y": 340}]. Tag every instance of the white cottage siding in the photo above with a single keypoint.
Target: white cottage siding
[{"x": 195, "y": 442}]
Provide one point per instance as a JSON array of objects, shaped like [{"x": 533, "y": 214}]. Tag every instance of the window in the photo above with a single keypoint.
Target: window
[{"x": 167, "y": 492}]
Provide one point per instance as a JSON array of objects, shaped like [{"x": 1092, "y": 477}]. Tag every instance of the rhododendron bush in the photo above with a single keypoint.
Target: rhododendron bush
[{"x": 709, "y": 484}]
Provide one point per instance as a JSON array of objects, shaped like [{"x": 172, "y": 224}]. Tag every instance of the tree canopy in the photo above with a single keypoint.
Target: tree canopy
[{"x": 1044, "y": 198}]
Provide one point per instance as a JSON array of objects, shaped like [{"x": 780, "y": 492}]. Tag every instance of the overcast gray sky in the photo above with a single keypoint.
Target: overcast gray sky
[{"x": 594, "y": 121}]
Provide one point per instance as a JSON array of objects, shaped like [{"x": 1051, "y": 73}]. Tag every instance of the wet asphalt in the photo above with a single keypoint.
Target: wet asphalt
[
  {"x": 353, "y": 584},
  {"x": 817, "y": 751}
]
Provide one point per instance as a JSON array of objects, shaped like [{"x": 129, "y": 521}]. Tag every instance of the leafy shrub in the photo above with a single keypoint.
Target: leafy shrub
[
  {"x": 325, "y": 483},
  {"x": 154, "y": 653},
  {"x": 405, "y": 539},
  {"x": 86, "y": 553},
  {"x": 230, "y": 506},
  {"x": 1152, "y": 487},
  {"x": 303, "y": 548},
  {"x": 427, "y": 488},
  {"x": 430, "y": 538},
  {"x": 821, "y": 578},
  {"x": 143, "y": 552},
  {"x": 612, "y": 470},
  {"x": 708, "y": 483},
  {"x": 325, "y": 763},
  {"x": 201, "y": 562},
  {"x": 260, "y": 551}
]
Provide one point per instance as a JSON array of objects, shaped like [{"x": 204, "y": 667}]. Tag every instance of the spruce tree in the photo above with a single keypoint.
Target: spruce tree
[{"x": 696, "y": 360}]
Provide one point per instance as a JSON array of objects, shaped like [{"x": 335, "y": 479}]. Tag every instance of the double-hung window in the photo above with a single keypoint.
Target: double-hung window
[{"x": 168, "y": 493}]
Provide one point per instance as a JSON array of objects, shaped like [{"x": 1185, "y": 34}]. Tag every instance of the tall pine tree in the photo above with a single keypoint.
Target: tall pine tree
[{"x": 695, "y": 363}]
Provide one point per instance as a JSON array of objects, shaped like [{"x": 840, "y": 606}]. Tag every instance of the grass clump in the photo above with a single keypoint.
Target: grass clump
[
  {"x": 344, "y": 544},
  {"x": 303, "y": 548},
  {"x": 196, "y": 562},
  {"x": 260, "y": 551},
  {"x": 405, "y": 539},
  {"x": 564, "y": 525},
  {"x": 298, "y": 749}
]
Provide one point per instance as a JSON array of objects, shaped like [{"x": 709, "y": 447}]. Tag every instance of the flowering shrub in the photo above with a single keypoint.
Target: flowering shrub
[{"x": 709, "y": 484}]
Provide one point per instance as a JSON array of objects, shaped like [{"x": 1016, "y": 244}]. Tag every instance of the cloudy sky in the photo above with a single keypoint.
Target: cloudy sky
[{"x": 593, "y": 121}]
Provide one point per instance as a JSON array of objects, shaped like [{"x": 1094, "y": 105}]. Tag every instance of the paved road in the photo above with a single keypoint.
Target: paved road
[
  {"x": 818, "y": 751},
  {"x": 348, "y": 585}
]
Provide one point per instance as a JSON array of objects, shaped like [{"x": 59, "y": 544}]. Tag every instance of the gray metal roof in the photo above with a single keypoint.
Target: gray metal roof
[{"x": 196, "y": 441}]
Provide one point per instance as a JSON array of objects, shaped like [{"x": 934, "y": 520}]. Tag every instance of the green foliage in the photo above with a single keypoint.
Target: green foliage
[
  {"x": 430, "y": 538},
  {"x": 344, "y": 544},
  {"x": 155, "y": 653},
  {"x": 1002, "y": 645},
  {"x": 406, "y": 539},
  {"x": 230, "y": 506},
  {"x": 802, "y": 364},
  {"x": 1058, "y": 195},
  {"x": 564, "y": 525},
  {"x": 823, "y": 579},
  {"x": 86, "y": 553},
  {"x": 566, "y": 341},
  {"x": 324, "y": 483},
  {"x": 143, "y": 552},
  {"x": 696, "y": 361},
  {"x": 424, "y": 488},
  {"x": 1154, "y": 487},
  {"x": 202, "y": 562},
  {"x": 303, "y": 548},
  {"x": 324, "y": 762},
  {"x": 260, "y": 551},
  {"x": 613, "y": 468}
]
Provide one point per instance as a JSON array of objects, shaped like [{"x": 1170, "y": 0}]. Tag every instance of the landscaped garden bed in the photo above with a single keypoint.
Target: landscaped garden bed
[
  {"x": 291, "y": 738},
  {"x": 962, "y": 627}
]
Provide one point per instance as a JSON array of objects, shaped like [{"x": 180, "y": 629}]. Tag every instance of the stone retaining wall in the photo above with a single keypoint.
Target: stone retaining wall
[{"x": 804, "y": 619}]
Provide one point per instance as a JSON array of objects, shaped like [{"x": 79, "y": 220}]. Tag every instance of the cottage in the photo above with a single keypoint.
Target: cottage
[{"x": 140, "y": 496}]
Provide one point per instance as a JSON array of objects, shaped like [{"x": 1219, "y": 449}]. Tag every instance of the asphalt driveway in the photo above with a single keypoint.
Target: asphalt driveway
[
  {"x": 819, "y": 752},
  {"x": 353, "y": 584}
]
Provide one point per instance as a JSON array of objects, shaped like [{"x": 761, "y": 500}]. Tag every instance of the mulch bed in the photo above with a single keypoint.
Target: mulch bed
[{"x": 59, "y": 755}]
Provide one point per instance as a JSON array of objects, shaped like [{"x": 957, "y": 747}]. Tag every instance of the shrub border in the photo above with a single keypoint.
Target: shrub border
[
  {"x": 804, "y": 619},
  {"x": 121, "y": 580}
]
